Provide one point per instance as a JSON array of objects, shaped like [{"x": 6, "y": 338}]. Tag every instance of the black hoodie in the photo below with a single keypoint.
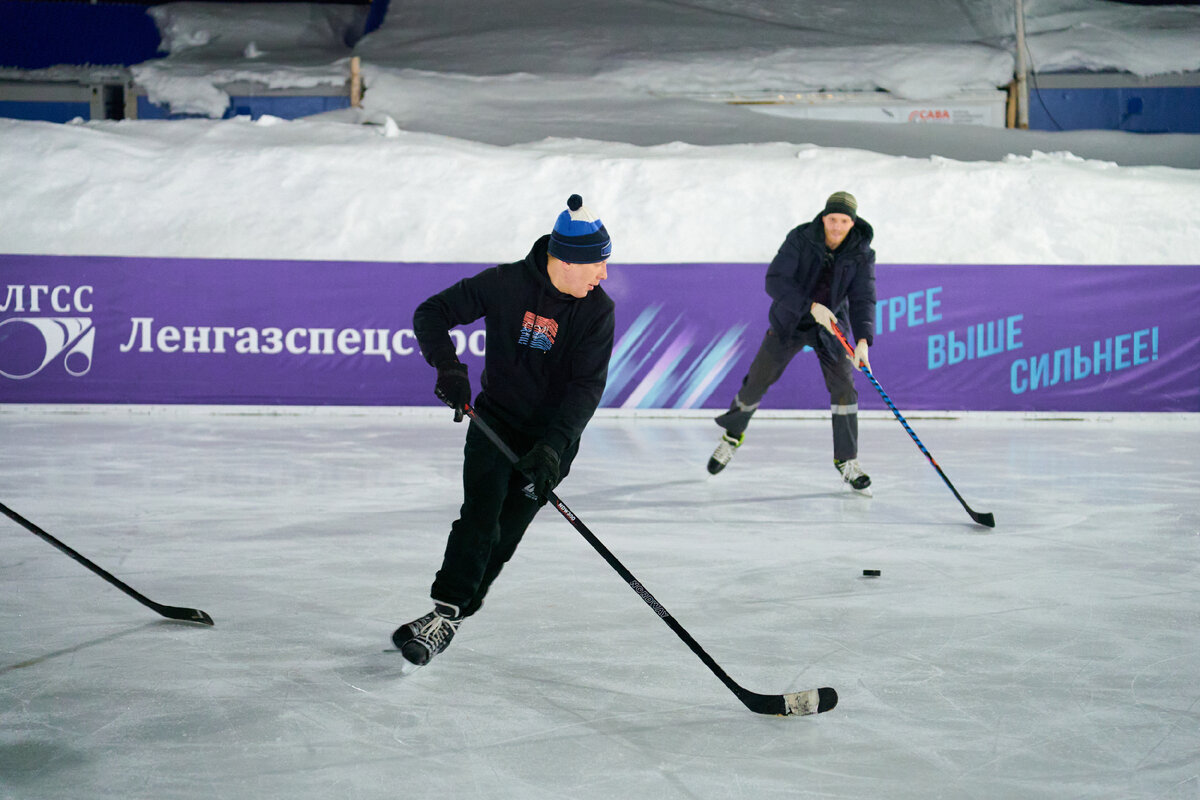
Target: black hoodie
[{"x": 547, "y": 352}]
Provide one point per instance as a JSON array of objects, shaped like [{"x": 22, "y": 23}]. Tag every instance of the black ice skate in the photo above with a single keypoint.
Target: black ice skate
[
  {"x": 853, "y": 475},
  {"x": 724, "y": 452},
  {"x": 433, "y": 633},
  {"x": 408, "y": 630}
]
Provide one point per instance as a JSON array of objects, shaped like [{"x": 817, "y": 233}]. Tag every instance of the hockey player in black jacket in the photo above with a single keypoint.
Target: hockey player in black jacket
[
  {"x": 824, "y": 272},
  {"x": 549, "y": 329}
]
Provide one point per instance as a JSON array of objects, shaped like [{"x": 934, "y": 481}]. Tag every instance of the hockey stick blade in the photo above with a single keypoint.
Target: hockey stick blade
[
  {"x": 170, "y": 612},
  {"x": 812, "y": 701},
  {"x": 984, "y": 518},
  {"x": 182, "y": 614}
]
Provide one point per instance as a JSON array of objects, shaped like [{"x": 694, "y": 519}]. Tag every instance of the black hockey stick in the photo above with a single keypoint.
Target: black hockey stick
[
  {"x": 984, "y": 518},
  {"x": 812, "y": 701},
  {"x": 171, "y": 612}
]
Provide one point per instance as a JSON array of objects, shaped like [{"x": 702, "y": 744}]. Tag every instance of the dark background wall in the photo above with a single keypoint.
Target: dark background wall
[{"x": 35, "y": 34}]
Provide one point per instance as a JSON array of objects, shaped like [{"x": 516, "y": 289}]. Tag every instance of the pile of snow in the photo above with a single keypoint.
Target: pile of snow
[
  {"x": 330, "y": 191},
  {"x": 211, "y": 45},
  {"x": 1104, "y": 37},
  {"x": 913, "y": 50},
  {"x": 255, "y": 29},
  {"x": 915, "y": 72}
]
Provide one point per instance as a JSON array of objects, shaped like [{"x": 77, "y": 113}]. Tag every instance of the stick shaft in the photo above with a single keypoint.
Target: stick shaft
[
  {"x": 983, "y": 518},
  {"x": 188, "y": 614},
  {"x": 815, "y": 700}
]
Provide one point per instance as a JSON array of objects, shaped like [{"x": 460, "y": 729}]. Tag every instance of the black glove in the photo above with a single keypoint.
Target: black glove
[
  {"x": 540, "y": 464},
  {"x": 453, "y": 388}
]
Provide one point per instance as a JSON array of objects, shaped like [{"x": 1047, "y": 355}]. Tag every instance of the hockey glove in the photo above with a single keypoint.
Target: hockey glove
[
  {"x": 453, "y": 387},
  {"x": 824, "y": 317},
  {"x": 540, "y": 465},
  {"x": 860, "y": 354}
]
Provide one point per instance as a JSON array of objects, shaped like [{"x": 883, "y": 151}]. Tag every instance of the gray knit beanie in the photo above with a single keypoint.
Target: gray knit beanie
[{"x": 841, "y": 203}]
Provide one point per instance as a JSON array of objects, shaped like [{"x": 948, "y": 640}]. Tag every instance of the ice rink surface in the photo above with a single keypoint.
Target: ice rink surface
[{"x": 1056, "y": 656}]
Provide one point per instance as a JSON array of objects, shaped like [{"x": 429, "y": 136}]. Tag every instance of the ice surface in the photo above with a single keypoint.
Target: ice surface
[{"x": 1054, "y": 656}]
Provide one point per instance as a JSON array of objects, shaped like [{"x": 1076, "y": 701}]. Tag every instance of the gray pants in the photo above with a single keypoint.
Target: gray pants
[{"x": 769, "y": 363}]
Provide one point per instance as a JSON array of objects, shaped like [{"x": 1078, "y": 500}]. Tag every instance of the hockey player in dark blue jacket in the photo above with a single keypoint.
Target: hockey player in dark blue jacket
[
  {"x": 824, "y": 272},
  {"x": 549, "y": 329}
]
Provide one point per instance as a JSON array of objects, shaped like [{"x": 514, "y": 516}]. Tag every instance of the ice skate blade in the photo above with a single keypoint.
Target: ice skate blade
[
  {"x": 860, "y": 492},
  {"x": 406, "y": 667}
]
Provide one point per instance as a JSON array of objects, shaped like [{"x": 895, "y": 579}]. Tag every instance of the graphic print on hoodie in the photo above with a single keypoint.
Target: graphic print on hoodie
[{"x": 537, "y": 332}]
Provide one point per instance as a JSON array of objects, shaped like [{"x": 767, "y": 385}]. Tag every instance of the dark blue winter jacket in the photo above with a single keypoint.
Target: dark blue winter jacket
[{"x": 793, "y": 275}]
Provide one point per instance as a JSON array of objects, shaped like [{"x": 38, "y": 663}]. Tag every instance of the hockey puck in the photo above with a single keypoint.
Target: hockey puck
[{"x": 871, "y": 573}]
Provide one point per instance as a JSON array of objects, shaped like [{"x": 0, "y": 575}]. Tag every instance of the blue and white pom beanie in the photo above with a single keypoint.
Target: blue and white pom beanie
[{"x": 578, "y": 236}]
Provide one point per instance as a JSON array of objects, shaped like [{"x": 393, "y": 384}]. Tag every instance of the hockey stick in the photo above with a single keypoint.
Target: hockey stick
[
  {"x": 984, "y": 518},
  {"x": 172, "y": 612},
  {"x": 813, "y": 701}
]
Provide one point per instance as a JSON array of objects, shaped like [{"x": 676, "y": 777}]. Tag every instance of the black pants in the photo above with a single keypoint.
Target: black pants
[
  {"x": 769, "y": 363},
  {"x": 493, "y": 518}
]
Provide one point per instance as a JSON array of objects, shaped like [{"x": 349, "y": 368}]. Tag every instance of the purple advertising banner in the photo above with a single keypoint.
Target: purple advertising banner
[{"x": 77, "y": 329}]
